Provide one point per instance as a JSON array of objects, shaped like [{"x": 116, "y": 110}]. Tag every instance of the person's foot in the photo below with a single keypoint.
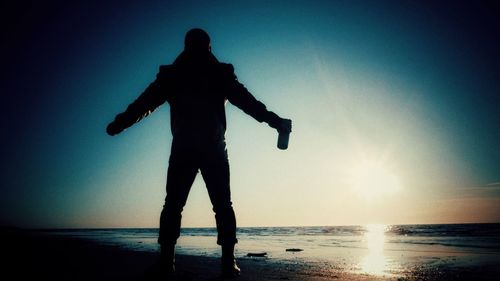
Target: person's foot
[
  {"x": 166, "y": 266},
  {"x": 230, "y": 268},
  {"x": 167, "y": 270}
]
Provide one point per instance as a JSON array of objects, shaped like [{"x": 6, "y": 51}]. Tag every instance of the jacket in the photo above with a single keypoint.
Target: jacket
[{"x": 197, "y": 88}]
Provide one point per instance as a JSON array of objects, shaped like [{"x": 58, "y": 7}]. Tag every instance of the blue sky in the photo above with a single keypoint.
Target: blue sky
[{"x": 393, "y": 93}]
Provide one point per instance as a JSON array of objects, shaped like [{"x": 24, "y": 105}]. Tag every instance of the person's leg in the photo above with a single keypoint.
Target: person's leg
[
  {"x": 180, "y": 177},
  {"x": 215, "y": 172}
]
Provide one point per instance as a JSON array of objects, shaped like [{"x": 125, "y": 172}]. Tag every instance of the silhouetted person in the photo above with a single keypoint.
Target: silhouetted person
[{"x": 197, "y": 87}]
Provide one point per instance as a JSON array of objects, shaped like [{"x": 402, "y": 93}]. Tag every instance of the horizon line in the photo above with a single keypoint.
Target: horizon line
[{"x": 5, "y": 227}]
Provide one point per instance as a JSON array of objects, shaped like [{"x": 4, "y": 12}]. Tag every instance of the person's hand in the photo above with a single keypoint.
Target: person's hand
[
  {"x": 113, "y": 129},
  {"x": 280, "y": 124},
  {"x": 284, "y": 125}
]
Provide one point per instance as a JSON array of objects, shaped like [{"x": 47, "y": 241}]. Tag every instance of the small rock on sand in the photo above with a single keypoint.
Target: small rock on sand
[{"x": 261, "y": 254}]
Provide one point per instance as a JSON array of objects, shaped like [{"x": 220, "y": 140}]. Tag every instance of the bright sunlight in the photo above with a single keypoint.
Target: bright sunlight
[
  {"x": 375, "y": 262},
  {"x": 373, "y": 180}
]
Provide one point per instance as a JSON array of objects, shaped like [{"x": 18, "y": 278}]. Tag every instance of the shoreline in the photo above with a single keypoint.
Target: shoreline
[{"x": 46, "y": 257}]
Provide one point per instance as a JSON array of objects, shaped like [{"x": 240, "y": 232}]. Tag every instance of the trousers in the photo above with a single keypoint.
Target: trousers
[{"x": 184, "y": 164}]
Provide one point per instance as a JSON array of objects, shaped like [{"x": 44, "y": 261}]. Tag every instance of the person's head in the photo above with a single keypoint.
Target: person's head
[{"x": 197, "y": 41}]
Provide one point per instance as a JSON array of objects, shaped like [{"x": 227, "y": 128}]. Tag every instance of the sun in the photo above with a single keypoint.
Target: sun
[{"x": 373, "y": 179}]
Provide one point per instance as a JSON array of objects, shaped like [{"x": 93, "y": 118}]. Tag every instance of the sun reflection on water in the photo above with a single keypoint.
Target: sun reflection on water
[{"x": 374, "y": 262}]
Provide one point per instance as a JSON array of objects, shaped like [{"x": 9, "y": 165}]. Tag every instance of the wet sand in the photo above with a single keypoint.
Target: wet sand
[{"x": 27, "y": 256}]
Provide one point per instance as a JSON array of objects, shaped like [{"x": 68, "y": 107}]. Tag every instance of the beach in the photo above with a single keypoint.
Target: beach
[{"x": 38, "y": 255}]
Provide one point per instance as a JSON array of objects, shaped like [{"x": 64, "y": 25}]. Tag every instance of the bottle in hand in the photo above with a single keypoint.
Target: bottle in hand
[{"x": 283, "y": 136}]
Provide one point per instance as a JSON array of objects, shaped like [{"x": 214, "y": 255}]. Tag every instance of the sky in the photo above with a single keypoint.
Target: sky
[{"x": 394, "y": 107}]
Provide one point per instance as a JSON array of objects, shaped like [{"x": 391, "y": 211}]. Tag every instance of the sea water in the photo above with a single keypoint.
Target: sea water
[{"x": 376, "y": 249}]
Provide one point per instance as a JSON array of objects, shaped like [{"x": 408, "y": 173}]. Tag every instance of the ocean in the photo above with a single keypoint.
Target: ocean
[{"x": 373, "y": 249}]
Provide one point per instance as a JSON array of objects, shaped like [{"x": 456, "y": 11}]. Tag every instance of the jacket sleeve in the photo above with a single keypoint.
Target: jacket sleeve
[
  {"x": 238, "y": 95},
  {"x": 153, "y": 96}
]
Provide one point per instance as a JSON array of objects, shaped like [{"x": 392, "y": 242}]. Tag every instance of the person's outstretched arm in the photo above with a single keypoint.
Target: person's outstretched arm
[
  {"x": 154, "y": 96},
  {"x": 243, "y": 99}
]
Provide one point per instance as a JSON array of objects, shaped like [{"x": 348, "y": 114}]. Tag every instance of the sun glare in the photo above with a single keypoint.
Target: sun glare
[
  {"x": 374, "y": 262},
  {"x": 373, "y": 180}
]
